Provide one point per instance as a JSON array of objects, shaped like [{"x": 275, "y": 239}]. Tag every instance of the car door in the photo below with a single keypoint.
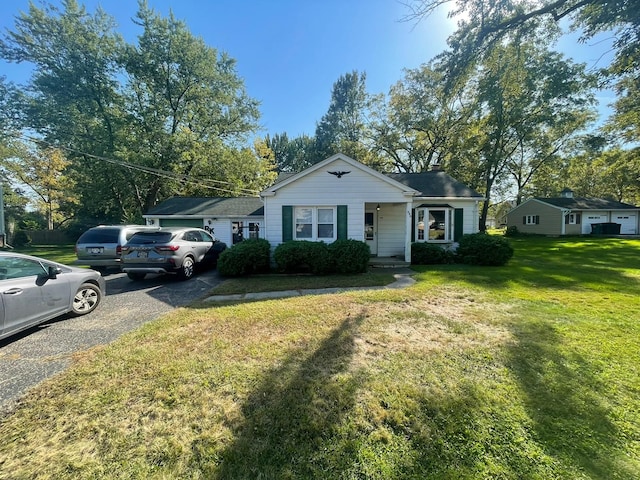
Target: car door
[
  {"x": 208, "y": 252},
  {"x": 28, "y": 295}
]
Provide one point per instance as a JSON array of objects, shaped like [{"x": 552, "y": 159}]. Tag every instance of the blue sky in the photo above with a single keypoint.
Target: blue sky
[{"x": 290, "y": 52}]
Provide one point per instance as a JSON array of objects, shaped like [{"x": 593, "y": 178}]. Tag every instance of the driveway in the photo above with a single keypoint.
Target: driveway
[{"x": 36, "y": 354}]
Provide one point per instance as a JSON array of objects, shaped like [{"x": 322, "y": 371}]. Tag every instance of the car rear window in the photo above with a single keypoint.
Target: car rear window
[
  {"x": 100, "y": 235},
  {"x": 142, "y": 238}
]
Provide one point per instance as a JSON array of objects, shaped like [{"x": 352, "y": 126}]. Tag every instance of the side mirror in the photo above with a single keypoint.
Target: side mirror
[{"x": 54, "y": 271}]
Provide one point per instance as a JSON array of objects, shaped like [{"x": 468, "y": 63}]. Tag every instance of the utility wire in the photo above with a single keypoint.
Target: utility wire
[{"x": 209, "y": 184}]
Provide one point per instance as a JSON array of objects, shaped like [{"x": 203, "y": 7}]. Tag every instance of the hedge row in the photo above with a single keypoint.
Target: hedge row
[
  {"x": 319, "y": 258},
  {"x": 473, "y": 249}
]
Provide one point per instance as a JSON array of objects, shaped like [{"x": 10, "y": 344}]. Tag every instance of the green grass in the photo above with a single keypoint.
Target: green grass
[
  {"x": 58, "y": 253},
  {"x": 272, "y": 283},
  {"x": 523, "y": 371}
]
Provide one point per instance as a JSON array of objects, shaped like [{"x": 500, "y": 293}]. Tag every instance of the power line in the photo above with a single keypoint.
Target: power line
[{"x": 208, "y": 184}]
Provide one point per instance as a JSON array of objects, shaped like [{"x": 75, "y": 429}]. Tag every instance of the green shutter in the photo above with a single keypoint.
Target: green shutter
[
  {"x": 342, "y": 222},
  {"x": 287, "y": 223},
  {"x": 458, "y": 224},
  {"x": 413, "y": 225}
]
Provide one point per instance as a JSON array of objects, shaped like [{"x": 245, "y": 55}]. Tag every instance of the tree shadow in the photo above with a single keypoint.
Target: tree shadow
[
  {"x": 289, "y": 419},
  {"x": 567, "y": 403}
]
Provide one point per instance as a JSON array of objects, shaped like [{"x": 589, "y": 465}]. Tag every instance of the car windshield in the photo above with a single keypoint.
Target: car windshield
[{"x": 142, "y": 238}]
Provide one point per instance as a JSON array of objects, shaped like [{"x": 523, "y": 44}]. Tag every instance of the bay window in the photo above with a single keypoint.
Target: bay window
[{"x": 433, "y": 224}]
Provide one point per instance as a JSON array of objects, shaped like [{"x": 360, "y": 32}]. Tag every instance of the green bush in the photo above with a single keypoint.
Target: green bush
[
  {"x": 21, "y": 239},
  {"x": 511, "y": 231},
  {"x": 483, "y": 249},
  {"x": 302, "y": 256},
  {"x": 423, "y": 253},
  {"x": 245, "y": 258},
  {"x": 349, "y": 256}
]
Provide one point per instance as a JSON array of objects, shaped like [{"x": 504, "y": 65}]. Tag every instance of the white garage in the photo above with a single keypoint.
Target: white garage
[
  {"x": 628, "y": 222},
  {"x": 590, "y": 218}
]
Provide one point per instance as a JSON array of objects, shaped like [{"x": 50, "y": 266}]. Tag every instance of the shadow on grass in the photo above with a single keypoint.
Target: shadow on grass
[
  {"x": 567, "y": 403},
  {"x": 290, "y": 418}
]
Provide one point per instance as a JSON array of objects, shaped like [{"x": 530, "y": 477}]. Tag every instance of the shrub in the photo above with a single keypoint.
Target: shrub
[
  {"x": 511, "y": 231},
  {"x": 483, "y": 249},
  {"x": 21, "y": 239},
  {"x": 244, "y": 258},
  {"x": 349, "y": 256},
  {"x": 429, "y": 254},
  {"x": 297, "y": 256}
]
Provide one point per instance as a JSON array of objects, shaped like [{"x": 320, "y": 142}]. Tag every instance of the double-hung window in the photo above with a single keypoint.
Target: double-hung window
[{"x": 315, "y": 223}]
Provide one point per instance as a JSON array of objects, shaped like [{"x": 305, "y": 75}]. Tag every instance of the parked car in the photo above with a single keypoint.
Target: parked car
[
  {"x": 100, "y": 247},
  {"x": 176, "y": 250},
  {"x": 34, "y": 290}
]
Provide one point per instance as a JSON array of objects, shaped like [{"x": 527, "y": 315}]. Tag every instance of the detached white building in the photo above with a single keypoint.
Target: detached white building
[{"x": 333, "y": 199}]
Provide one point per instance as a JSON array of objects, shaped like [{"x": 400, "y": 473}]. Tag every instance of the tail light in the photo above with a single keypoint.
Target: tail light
[
  {"x": 118, "y": 249},
  {"x": 168, "y": 248}
]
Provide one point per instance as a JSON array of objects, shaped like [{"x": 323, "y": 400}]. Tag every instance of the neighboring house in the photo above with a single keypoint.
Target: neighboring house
[
  {"x": 569, "y": 215},
  {"x": 341, "y": 198}
]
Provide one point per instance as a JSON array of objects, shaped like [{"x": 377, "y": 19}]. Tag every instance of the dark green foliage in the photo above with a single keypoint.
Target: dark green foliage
[
  {"x": 349, "y": 256},
  {"x": 483, "y": 249},
  {"x": 429, "y": 254},
  {"x": 21, "y": 239},
  {"x": 303, "y": 257},
  {"x": 511, "y": 231},
  {"x": 244, "y": 258}
]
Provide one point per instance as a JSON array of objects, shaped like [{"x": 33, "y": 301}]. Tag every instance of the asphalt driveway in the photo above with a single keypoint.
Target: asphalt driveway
[{"x": 36, "y": 354}]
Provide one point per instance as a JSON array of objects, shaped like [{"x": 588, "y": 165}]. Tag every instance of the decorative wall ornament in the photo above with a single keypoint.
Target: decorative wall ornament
[{"x": 338, "y": 174}]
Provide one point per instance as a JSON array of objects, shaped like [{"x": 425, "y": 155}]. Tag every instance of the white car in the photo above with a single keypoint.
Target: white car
[{"x": 34, "y": 290}]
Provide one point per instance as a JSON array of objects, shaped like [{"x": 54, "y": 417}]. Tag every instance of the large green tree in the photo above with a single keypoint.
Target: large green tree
[
  {"x": 137, "y": 121},
  {"x": 415, "y": 127},
  {"x": 343, "y": 129},
  {"x": 529, "y": 102}
]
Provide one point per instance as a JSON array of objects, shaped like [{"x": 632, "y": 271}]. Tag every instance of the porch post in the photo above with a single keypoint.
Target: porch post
[{"x": 407, "y": 233}]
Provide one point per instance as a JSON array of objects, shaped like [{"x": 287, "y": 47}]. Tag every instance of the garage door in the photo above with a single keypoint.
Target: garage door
[
  {"x": 628, "y": 222},
  {"x": 590, "y": 218},
  {"x": 181, "y": 222}
]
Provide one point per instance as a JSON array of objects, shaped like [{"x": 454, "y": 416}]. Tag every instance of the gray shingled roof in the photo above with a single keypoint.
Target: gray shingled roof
[
  {"x": 210, "y": 206},
  {"x": 435, "y": 184},
  {"x": 581, "y": 203}
]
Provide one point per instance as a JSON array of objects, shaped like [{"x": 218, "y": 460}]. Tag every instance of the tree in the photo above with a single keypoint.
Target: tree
[
  {"x": 136, "y": 120},
  {"x": 343, "y": 128},
  {"x": 414, "y": 129},
  {"x": 530, "y": 101},
  {"x": 490, "y": 21},
  {"x": 292, "y": 155},
  {"x": 43, "y": 172}
]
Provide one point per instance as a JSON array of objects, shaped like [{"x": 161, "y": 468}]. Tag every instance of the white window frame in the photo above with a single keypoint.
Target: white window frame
[
  {"x": 530, "y": 220},
  {"x": 572, "y": 219},
  {"x": 422, "y": 227},
  {"x": 315, "y": 237}
]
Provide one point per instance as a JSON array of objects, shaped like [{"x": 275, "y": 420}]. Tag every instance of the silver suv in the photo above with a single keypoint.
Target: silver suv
[
  {"x": 170, "y": 250},
  {"x": 100, "y": 247}
]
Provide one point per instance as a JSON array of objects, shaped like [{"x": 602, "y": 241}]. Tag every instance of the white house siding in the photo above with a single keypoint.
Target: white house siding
[
  {"x": 320, "y": 188},
  {"x": 391, "y": 230}
]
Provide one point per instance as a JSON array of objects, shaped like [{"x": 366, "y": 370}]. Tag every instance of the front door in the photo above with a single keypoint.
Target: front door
[{"x": 371, "y": 231}]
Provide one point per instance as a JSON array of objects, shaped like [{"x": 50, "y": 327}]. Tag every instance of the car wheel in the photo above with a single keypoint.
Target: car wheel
[
  {"x": 86, "y": 299},
  {"x": 136, "y": 275},
  {"x": 186, "y": 271}
]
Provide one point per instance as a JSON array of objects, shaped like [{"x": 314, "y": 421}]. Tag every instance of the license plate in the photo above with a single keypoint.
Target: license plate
[
  {"x": 143, "y": 254},
  {"x": 95, "y": 250}
]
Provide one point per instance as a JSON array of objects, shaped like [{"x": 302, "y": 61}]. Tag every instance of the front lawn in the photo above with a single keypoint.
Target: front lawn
[{"x": 523, "y": 371}]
